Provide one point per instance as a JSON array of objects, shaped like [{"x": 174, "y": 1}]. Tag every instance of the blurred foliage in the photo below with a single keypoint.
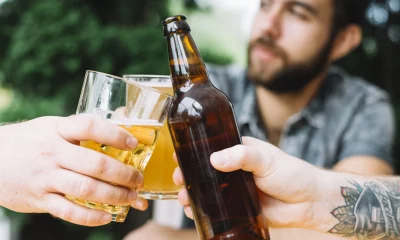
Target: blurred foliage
[
  {"x": 31, "y": 108},
  {"x": 54, "y": 42},
  {"x": 48, "y": 46}
]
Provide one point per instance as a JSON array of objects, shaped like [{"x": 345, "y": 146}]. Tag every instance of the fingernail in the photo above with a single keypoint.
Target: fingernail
[
  {"x": 131, "y": 142},
  {"x": 139, "y": 204},
  {"x": 132, "y": 196},
  {"x": 139, "y": 179},
  {"x": 106, "y": 218},
  {"x": 218, "y": 159}
]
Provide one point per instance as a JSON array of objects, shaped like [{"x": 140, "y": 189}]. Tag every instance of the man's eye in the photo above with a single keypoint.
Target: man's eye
[
  {"x": 264, "y": 4},
  {"x": 298, "y": 13}
]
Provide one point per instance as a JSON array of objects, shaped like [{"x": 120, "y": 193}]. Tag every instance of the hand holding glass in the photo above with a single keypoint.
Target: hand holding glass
[{"x": 142, "y": 114}]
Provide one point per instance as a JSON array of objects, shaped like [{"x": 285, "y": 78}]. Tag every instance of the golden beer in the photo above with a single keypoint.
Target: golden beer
[
  {"x": 158, "y": 173},
  {"x": 146, "y": 133}
]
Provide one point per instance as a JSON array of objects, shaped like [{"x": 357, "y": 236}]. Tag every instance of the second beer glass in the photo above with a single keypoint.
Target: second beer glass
[{"x": 158, "y": 184}]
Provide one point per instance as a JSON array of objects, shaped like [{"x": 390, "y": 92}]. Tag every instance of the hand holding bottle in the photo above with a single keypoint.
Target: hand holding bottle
[
  {"x": 289, "y": 186},
  {"x": 295, "y": 194}
]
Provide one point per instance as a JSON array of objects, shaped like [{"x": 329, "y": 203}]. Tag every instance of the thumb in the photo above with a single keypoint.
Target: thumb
[{"x": 248, "y": 157}]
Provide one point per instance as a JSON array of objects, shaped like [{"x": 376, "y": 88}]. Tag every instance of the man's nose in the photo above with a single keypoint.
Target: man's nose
[{"x": 271, "y": 23}]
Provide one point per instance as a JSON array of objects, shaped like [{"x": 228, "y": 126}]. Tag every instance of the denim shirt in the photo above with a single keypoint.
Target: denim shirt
[{"x": 347, "y": 117}]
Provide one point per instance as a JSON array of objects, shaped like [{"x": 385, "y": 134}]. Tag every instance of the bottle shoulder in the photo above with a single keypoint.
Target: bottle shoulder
[
  {"x": 204, "y": 92},
  {"x": 203, "y": 95},
  {"x": 200, "y": 100}
]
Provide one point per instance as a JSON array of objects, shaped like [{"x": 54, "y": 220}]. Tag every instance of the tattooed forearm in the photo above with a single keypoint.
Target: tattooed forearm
[{"x": 371, "y": 212}]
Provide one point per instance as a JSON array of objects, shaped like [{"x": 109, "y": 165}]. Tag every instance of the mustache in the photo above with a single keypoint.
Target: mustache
[{"x": 269, "y": 44}]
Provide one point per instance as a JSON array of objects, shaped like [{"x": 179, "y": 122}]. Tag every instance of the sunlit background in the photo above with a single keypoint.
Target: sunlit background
[{"x": 46, "y": 46}]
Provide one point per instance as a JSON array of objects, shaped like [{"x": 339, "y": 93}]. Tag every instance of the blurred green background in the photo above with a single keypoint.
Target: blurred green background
[{"x": 47, "y": 45}]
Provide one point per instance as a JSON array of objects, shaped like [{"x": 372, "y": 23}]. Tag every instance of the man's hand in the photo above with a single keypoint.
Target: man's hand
[
  {"x": 288, "y": 187},
  {"x": 41, "y": 162}
]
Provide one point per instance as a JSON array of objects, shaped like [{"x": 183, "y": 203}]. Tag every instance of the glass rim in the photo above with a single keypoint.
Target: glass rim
[
  {"x": 146, "y": 76},
  {"x": 130, "y": 82},
  {"x": 163, "y": 80}
]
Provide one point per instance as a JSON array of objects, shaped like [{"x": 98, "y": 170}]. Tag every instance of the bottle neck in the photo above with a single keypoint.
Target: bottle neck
[{"x": 187, "y": 68}]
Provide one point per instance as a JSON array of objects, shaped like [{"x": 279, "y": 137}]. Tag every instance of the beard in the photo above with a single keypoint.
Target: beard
[{"x": 293, "y": 77}]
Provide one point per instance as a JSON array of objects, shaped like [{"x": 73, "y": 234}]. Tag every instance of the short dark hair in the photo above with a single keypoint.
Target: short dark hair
[{"x": 348, "y": 12}]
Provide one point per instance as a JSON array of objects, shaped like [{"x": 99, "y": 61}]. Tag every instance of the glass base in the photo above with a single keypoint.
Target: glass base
[
  {"x": 120, "y": 217},
  {"x": 118, "y": 213},
  {"x": 158, "y": 195}
]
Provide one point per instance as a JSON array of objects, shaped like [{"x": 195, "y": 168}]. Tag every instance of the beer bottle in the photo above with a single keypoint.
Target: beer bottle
[{"x": 201, "y": 122}]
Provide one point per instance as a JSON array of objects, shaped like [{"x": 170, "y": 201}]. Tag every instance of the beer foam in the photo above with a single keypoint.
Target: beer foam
[
  {"x": 156, "y": 84},
  {"x": 137, "y": 122},
  {"x": 150, "y": 80}
]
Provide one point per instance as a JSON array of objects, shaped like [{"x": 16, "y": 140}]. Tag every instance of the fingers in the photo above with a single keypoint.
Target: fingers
[
  {"x": 99, "y": 166},
  {"x": 247, "y": 157},
  {"x": 86, "y": 127},
  {"x": 183, "y": 197},
  {"x": 140, "y": 204},
  {"x": 188, "y": 212},
  {"x": 60, "y": 207},
  {"x": 80, "y": 186},
  {"x": 178, "y": 177}
]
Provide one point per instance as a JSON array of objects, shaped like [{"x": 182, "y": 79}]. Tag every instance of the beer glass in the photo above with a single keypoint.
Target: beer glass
[
  {"x": 158, "y": 184},
  {"x": 142, "y": 114}
]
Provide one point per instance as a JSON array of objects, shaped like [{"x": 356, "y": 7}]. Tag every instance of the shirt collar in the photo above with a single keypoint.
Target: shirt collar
[{"x": 313, "y": 113}]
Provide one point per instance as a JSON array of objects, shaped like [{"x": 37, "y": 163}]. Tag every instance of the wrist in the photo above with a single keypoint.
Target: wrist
[
  {"x": 336, "y": 200},
  {"x": 327, "y": 198}
]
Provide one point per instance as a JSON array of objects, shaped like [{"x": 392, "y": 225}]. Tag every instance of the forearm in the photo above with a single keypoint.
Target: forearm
[{"x": 359, "y": 207}]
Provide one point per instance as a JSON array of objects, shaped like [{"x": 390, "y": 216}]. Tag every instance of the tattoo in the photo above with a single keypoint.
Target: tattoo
[{"x": 371, "y": 212}]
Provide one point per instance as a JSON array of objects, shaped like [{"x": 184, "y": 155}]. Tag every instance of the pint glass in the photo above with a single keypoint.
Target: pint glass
[
  {"x": 142, "y": 114},
  {"x": 158, "y": 184}
]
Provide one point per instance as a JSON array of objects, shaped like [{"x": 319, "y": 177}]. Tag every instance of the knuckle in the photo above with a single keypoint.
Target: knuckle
[
  {"x": 86, "y": 187},
  {"x": 87, "y": 219},
  {"x": 131, "y": 177},
  {"x": 239, "y": 153},
  {"x": 64, "y": 213},
  {"x": 188, "y": 211},
  {"x": 42, "y": 187},
  {"x": 122, "y": 195},
  {"x": 87, "y": 125},
  {"x": 58, "y": 123},
  {"x": 177, "y": 176},
  {"x": 98, "y": 166},
  {"x": 67, "y": 214},
  {"x": 117, "y": 133},
  {"x": 183, "y": 197}
]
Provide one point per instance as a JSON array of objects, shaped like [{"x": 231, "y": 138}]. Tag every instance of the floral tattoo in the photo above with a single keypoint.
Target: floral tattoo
[{"x": 371, "y": 212}]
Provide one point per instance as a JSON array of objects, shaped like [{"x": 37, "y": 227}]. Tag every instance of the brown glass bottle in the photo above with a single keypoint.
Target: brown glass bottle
[{"x": 201, "y": 122}]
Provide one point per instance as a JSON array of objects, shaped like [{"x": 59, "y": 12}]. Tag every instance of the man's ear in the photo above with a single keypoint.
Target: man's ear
[{"x": 346, "y": 41}]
